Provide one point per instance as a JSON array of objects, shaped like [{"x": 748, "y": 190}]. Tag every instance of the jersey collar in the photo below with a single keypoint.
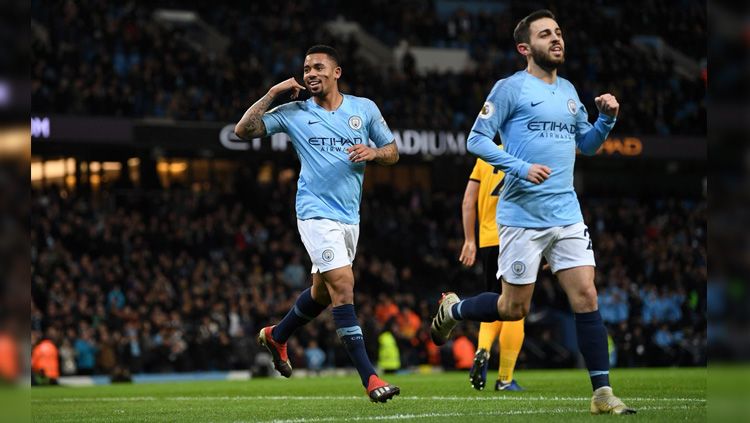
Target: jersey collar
[{"x": 314, "y": 104}]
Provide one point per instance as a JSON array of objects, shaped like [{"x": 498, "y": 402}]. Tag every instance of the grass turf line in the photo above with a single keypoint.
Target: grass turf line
[{"x": 551, "y": 395}]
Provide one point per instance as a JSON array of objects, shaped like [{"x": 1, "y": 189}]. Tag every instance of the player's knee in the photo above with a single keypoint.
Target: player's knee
[
  {"x": 342, "y": 297},
  {"x": 320, "y": 294},
  {"x": 511, "y": 310},
  {"x": 341, "y": 290},
  {"x": 516, "y": 313},
  {"x": 521, "y": 311},
  {"x": 585, "y": 299}
]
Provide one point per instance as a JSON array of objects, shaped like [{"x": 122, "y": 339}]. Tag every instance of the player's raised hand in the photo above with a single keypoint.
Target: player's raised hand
[
  {"x": 538, "y": 173},
  {"x": 607, "y": 104},
  {"x": 468, "y": 253},
  {"x": 361, "y": 153},
  {"x": 289, "y": 84}
]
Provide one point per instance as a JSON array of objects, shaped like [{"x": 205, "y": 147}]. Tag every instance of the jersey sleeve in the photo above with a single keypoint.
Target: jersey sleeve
[
  {"x": 277, "y": 119},
  {"x": 378, "y": 130},
  {"x": 476, "y": 173},
  {"x": 495, "y": 111},
  {"x": 590, "y": 137}
]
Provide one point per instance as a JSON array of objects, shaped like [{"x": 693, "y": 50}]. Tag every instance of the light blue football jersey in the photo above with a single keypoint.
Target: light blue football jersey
[
  {"x": 329, "y": 185},
  {"x": 538, "y": 123}
]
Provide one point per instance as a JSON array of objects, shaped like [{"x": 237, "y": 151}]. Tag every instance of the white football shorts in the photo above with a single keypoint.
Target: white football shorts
[
  {"x": 521, "y": 251},
  {"x": 330, "y": 244}
]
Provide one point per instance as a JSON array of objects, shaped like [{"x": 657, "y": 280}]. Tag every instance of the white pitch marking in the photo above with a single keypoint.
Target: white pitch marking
[
  {"x": 343, "y": 397},
  {"x": 466, "y": 414}
]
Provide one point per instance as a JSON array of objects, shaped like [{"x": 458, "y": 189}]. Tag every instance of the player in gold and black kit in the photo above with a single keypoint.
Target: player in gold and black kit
[{"x": 482, "y": 193}]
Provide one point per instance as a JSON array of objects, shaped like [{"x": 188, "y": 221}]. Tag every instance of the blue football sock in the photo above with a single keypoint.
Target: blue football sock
[
  {"x": 348, "y": 330},
  {"x": 592, "y": 341},
  {"x": 482, "y": 308},
  {"x": 305, "y": 309}
]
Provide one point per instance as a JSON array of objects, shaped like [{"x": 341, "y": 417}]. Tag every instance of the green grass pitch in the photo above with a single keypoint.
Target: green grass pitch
[{"x": 551, "y": 395}]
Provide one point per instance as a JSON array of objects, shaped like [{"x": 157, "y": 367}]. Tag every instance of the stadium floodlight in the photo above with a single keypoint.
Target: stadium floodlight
[
  {"x": 199, "y": 35},
  {"x": 175, "y": 16}
]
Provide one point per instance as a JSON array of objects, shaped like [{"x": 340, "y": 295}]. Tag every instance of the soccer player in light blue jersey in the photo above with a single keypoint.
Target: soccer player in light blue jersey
[
  {"x": 330, "y": 132},
  {"x": 541, "y": 121}
]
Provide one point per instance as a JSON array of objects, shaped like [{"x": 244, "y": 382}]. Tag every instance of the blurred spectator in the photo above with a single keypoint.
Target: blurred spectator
[
  {"x": 612, "y": 351},
  {"x": 389, "y": 358},
  {"x": 85, "y": 353},
  {"x": 613, "y": 304},
  {"x": 386, "y": 308},
  {"x": 45, "y": 364},
  {"x": 295, "y": 274},
  {"x": 314, "y": 356},
  {"x": 663, "y": 338},
  {"x": 408, "y": 322},
  {"x": 463, "y": 351},
  {"x": 68, "y": 358},
  {"x": 10, "y": 368}
]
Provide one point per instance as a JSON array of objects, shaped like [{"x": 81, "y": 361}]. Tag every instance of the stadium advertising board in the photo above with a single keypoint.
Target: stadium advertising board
[
  {"x": 180, "y": 136},
  {"x": 441, "y": 143},
  {"x": 81, "y": 129}
]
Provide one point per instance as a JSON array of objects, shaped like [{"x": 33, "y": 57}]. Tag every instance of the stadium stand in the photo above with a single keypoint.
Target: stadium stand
[{"x": 136, "y": 66}]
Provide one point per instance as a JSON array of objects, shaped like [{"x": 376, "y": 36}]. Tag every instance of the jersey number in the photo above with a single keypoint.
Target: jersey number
[{"x": 499, "y": 187}]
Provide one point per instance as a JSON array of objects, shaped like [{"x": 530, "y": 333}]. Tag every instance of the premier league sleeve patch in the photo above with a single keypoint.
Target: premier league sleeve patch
[{"x": 488, "y": 109}]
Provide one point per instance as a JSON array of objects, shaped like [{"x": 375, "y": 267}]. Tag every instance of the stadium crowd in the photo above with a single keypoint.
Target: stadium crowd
[
  {"x": 137, "y": 67},
  {"x": 176, "y": 280}
]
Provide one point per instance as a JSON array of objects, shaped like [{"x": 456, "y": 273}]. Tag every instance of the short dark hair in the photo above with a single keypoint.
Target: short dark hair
[
  {"x": 322, "y": 48},
  {"x": 522, "y": 33}
]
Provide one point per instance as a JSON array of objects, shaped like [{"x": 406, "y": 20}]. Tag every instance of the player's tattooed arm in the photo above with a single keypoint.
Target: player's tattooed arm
[
  {"x": 387, "y": 155},
  {"x": 251, "y": 125}
]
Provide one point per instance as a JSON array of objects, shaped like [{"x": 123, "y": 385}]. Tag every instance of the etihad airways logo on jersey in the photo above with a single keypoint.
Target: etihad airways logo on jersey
[
  {"x": 549, "y": 129},
  {"x": 551, "y": 126},
  {"x": 333, "y": 144}
]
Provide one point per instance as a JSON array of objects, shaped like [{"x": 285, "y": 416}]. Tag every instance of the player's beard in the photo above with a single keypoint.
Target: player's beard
[
  {"x": 322, "y": 90},
  {"x": 320, "y": 93},
  {"x": 545, "y": 60}
]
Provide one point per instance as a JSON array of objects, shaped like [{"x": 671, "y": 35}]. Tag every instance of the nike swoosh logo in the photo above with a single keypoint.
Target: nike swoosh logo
[
  {"x": 310, "y": 122},
  {"x": 536, "y": 104},
  {"x": 352, "y": 330}
]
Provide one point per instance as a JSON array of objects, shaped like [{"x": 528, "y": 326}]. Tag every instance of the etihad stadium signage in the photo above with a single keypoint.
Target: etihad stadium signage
[
  {"x": 442, "y": 143},
  {"x": 70, "y": 134},
  {"x": 410, "y": 142}
]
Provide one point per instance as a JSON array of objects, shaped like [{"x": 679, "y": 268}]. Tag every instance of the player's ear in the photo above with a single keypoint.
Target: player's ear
[
  {"x": 523, "y": 48},
  {"x": 337, "y": 72}
]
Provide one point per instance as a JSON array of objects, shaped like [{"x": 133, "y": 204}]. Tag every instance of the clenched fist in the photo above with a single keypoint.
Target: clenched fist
[
  {"x": 607, "y": 104},
  {"x": 538, "y": 173}
]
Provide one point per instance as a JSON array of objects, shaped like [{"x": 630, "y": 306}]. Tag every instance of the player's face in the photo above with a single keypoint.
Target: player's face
[
  {"x": 547, "y": 46},
  {"x": 320, "y": 74}
]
